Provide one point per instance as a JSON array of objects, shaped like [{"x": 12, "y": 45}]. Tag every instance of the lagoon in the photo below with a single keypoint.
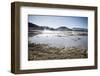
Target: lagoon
[{"x": 61, "y": 39}]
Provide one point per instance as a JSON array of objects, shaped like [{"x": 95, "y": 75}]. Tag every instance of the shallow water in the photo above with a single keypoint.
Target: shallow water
[{"x": 57, "y": 39}]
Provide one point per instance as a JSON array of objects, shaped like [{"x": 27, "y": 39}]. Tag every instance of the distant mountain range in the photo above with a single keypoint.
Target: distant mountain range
[
  {"x": 62, "y": 28},
  {"x": 80, "y": 29}
]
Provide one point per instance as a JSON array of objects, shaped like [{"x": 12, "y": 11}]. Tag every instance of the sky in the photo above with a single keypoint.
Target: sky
[{"x": 58, "y": 21}]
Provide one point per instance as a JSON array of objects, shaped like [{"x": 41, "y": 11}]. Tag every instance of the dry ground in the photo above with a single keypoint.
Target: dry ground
[{"x": 44, "y": 52}]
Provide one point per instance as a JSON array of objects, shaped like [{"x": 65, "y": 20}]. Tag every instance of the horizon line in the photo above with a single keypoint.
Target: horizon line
[{"x": 57, "y": 27}]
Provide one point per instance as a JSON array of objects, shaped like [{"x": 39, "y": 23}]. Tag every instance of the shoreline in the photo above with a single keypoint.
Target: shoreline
[{"x": 68, "y": 33}]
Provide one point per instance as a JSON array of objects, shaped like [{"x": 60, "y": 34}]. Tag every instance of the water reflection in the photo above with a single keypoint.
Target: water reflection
[{"x": 60, "y": 39}]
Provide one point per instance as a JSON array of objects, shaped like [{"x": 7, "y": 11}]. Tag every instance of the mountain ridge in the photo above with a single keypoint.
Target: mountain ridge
[{"x": 33, "y": 26}]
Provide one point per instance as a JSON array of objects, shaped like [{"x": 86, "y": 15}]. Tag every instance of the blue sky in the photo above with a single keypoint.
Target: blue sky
[{"x": 58, "y": 21}]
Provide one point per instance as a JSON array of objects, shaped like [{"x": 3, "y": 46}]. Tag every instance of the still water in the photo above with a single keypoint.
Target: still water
[{"x": 59, "y": 39}]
